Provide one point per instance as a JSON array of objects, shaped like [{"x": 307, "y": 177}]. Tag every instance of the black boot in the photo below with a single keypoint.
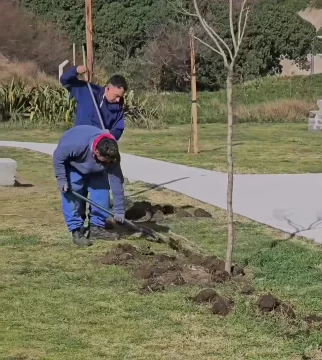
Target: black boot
[
  {"x": 79, "y": 237},
  {"x": 100, "y": 233}
]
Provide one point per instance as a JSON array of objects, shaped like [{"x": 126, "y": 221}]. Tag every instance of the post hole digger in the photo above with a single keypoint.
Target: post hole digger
[{"x": 145, "y": 231}]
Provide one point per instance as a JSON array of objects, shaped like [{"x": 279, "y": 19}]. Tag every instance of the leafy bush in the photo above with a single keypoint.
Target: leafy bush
[{"x": 53, "y": 106}]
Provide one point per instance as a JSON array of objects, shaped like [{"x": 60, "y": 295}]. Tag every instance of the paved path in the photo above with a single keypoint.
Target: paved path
[{"x": 292, "y": 203}]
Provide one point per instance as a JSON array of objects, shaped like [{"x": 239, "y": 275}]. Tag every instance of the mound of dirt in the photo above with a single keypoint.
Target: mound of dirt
[
  {"x": 145, "y": 211},
  {"x": 205, "y": 296},
  {"x": 268, "y": 303},
  {"x": 222, "y": 306},
  {"x": 202, "y": 213},
  {"x": 158, "y": 271},
  {"x": 122, "y": 254}
]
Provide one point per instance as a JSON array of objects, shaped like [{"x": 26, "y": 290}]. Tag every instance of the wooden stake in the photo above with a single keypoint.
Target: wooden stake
[
  {"x": 89, "y": 38},
  {"x": 84, "y": 62},
  {"x": 74, "y": 54},
  {"x": 194, "y": 111}
]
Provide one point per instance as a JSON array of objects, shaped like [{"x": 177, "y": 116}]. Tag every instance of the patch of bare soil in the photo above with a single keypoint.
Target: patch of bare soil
[
  {"x": 158, "y": 271},
  {"x": 268, "y": 303},
  {"x": 145, "y": 211},
  {"x": 219, "y": 305}
]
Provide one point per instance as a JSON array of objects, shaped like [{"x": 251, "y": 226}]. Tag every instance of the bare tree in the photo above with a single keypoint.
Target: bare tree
[{"x": 229, "y": 55}]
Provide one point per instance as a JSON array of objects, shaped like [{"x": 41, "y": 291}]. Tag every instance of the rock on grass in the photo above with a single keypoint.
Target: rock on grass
[
  {"x": 222, "y": 306},
  {"x": 205, "y": 296},
  {"x": 268, "y": 303},
  {"x": 202, "y": 213}
]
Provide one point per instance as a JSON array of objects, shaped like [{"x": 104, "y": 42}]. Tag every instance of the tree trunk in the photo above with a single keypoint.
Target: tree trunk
[{"x": 230, "y": 214}]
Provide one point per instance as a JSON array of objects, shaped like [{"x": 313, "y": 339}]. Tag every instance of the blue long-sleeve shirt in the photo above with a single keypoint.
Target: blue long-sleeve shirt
[
  {"x": 112, "y": 113},
  {"x": 75, "y": 150}
]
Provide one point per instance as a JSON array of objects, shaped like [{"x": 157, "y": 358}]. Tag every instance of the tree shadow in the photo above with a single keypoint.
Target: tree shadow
[
  {"x": 220, "y": 147},
  {"x": 156, "y": 186}
]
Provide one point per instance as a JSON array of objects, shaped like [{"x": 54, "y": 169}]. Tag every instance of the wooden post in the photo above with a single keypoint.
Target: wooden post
[
  {"x": 74, "y": 54},
  {"x": 89, "y": 38},
  {"x": 194, "y": 111}
]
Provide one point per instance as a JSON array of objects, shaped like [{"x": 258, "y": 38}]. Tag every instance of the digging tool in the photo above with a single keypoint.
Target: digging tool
[
  {"x": 92, "y": 95},
  {"x": 143, "y": 230}
]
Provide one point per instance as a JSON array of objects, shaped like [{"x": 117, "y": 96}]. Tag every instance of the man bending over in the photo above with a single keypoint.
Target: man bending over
[{"x": 87, "y": 160}]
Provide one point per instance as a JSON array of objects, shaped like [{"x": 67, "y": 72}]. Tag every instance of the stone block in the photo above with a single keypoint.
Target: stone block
[
  {"x": 8, "y": 169},
  {"x": 319, "y": 102}
]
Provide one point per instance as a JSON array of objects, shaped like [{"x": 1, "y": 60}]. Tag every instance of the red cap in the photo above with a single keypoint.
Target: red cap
[{"x": 107, "y": 136}]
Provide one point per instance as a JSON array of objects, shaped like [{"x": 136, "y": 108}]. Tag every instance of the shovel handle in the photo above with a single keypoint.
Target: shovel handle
[{"x": 126, "y": 222}]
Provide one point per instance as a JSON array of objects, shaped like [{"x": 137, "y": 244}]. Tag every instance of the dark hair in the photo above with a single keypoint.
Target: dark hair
[
  {"x": 117, "y": 81},
  {"x": 109, "y": 149}
]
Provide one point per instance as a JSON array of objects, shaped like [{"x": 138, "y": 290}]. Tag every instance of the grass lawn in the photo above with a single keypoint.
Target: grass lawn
[
  {"x": 58, "y": 303},
  {"x": 261, "y": 148}
]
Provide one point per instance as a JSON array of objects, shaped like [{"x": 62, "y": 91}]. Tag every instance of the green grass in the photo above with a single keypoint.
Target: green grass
[
  {"x": 59, "y": 304},
  {"x": 265, "y": 148}
]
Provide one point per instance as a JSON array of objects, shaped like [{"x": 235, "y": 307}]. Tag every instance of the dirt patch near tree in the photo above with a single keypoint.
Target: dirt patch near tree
[
  {"x": 158, "y": 271},
  {"x": 145, "y": 211}
]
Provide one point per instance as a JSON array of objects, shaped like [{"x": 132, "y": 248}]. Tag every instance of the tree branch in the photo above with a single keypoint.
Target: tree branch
[
  {"x": 239, "y": 38},
  {"x": 206, "y": 27},
  {"x": 209, "y": 46},
  {"x": 221, "y": 40},
  {"x": 231, "y": 22}
]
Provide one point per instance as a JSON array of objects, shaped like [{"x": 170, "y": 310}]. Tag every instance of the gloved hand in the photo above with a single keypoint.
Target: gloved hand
[
  {"x": 63, "y": 187},
  {"x": 119, "y": 218}
]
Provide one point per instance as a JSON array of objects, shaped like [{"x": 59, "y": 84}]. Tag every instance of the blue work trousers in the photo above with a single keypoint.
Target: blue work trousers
[{"x": 97, "y": 186}]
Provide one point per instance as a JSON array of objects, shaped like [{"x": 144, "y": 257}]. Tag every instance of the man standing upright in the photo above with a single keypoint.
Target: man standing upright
[{"x": 109, "y": 99}]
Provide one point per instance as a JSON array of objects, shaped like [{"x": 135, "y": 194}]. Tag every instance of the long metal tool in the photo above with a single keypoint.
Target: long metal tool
[
  {"x": 92, "y": 95},
  {"x": 96, "y": 107},
  {"x": 144, "y": 230}
]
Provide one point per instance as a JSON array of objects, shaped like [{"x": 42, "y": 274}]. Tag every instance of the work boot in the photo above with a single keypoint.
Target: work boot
[
  {"x": 100, "y": 233},
  {"x": 79, "y": 238}
]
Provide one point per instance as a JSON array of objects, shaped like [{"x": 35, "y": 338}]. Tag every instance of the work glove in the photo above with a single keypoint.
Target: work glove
[{"x": 119, "y": 218}]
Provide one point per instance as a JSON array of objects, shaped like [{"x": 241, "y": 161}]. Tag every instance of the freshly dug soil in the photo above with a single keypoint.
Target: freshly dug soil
[
  {"x": 222, "y": 306},
  {"x": 202, "y": 213},
  {"x": 205, "y": 296},
  {"x": 145, "y": 211},
  {"x": 159, "y": 271},
  {"x": 268, "y": 303}
]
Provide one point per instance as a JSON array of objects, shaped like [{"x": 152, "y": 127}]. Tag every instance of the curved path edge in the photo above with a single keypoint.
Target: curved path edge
[{"x": 291, "y": 203}]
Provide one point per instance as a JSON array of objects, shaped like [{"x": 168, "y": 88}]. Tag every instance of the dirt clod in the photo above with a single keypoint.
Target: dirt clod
[
  {"x": 268, "y": 303},
  {"x": 222, "y": 306},
  {"x": 120, "y": 255},
  {"x": 159, "y": 271},
  {"x": 238, "y": 271},
  {"x": 181, "y": 213},
  {"x": 202, "y": 213},
  {"x": 213, "y": 264},
  {"x": 313, "y": 318},
  {"x": 205, "y": 295}
]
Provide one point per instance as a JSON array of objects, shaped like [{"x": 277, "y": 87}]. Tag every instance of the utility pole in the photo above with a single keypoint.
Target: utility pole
[
  {"x": 194, "y": 111},
  {"x": 89, "y": 38}
]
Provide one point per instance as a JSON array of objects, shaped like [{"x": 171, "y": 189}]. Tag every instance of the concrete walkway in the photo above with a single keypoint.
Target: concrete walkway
[{"x": 292, "y": 203}]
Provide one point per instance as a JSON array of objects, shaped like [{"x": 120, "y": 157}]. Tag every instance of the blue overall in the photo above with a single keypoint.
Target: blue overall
[
  {"x": 97, "y": 186},
  {"x": 75, "y": 165}
]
